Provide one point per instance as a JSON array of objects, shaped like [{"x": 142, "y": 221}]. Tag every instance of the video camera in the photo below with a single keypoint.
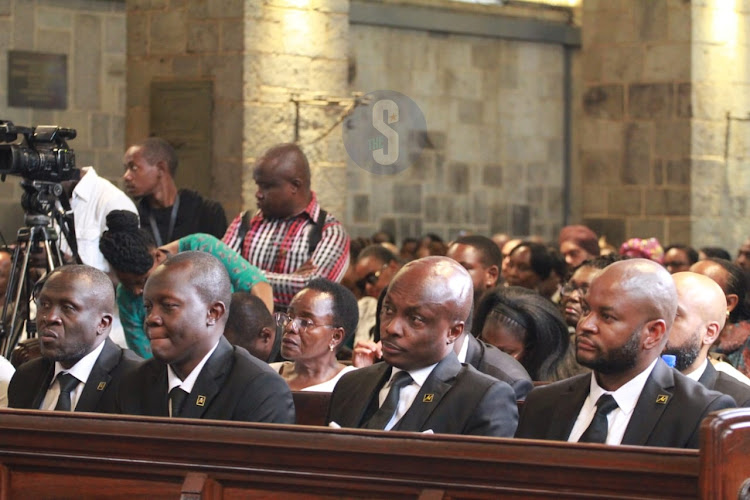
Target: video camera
[{"x": 42, "y": 153}]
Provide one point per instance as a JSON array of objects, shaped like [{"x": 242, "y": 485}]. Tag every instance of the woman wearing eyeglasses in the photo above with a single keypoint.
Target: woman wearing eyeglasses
[{"x": 320, "y": 318}]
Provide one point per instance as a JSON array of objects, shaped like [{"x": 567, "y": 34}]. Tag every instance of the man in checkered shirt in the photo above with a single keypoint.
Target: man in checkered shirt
[{"x": 290, "y": 237}]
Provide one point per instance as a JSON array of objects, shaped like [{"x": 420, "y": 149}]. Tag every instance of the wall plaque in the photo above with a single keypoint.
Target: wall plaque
[{"x": 37, "y": 80}]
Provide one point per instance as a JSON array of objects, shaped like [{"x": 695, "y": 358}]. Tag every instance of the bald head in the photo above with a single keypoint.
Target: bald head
[
  {"x": 647, "y": 284},
  {"x": 282, "y": 176},
  {"x": 701, "y": 314},
  {"x": 442, "y": 281},
  {"x": 424, "y": 311}
]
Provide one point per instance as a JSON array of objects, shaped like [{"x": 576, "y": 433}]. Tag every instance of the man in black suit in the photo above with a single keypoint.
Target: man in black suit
[
  {"x": 701, "y": 314},
  {"x": 421, "y": 386},
  {"x": 631, "y": 396},
  {"x": 196, "y": 372},
  {"x": 482, "y": 259},
  {"x": 80, "y": 366}
]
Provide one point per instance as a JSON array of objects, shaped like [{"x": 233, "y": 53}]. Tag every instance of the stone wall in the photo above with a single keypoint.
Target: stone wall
[
  {"x": 664, "y": 133},
  {"x": 494, "y": 113},
  {"x": 720, "y": 130},
  {"x": 92, "y": 35},
  {"x": 635, "y": 136},
  {"x": 195, "y": 40}
]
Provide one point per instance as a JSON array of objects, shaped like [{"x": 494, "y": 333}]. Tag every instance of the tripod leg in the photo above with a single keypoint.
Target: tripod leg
[{"x": 18, "y": 281}]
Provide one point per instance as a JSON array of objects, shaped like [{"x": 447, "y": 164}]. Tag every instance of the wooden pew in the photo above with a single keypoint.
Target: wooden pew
[
  {"x": 60, "y": 455},
  {"x": 725, "y": 456}
]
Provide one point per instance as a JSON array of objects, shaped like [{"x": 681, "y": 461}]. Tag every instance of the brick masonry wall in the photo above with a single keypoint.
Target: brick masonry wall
[
  {"x": 494, "y": 118},
  {"x": 176, "y": 40},
  {"x": 635, "y": 135},
  {"x": 92, "y": 35}
]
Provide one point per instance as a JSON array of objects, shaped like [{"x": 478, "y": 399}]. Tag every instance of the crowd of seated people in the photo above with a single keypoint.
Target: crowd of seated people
[{"x": 433, "y": 335}]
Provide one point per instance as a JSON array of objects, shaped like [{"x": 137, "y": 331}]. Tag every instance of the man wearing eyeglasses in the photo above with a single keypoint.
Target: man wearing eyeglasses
[
  {"x": 421, "y": 386},
  {"x": 195, "y": 371}
]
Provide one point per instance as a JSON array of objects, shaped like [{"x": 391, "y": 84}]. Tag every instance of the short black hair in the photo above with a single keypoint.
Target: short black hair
[
  {"x": 379, "y": 252},
  {"x": 602, "y": 261},
  {"x": 737, "y": 284},
  {"x": 690, "y": 252},
  {"x": 543, "y": 259},
  {"x": 717, "y": 252},
  {"x": 248, "y": 315},
  {"x": 156, "y": 149},
  {"x": 207, "y": 274},
  {"x": 127, "y": 247},
  {"x": 101, "y": 285},
  {"x": 488, "y": 250},
  {"x": 345, "y": 309}
]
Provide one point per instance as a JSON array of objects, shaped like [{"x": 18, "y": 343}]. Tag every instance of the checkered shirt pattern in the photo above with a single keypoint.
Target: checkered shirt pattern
[{"x": 280, "y": 246}]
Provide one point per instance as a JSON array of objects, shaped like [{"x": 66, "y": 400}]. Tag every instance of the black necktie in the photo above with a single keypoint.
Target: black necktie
[
  {"x": 384, "y": 414},
  {"x": 67, "y": 383},
  {"x": 598, "y": 428},
  {"x": 177, "y": 397}
]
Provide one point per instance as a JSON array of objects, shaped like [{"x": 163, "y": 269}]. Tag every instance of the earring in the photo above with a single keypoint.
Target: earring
[{"x": 330, "y": 347}]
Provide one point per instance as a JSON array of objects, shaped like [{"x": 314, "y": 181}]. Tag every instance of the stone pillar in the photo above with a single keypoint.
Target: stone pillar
[
  {"x": 295, "y": 74},
  {"x": 635, "y": 135},
  {"x": 659, "y": 78}
]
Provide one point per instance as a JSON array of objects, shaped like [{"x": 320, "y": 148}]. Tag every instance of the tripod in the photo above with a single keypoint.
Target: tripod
[{"x": 39, "y": 235}]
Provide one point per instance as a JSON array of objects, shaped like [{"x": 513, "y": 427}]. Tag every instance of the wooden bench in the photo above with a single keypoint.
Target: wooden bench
[
  {"x": 725, "y": 456},
  {"x": 45, "y": 455}
]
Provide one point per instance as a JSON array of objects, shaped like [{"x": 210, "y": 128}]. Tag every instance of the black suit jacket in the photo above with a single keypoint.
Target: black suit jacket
[
  {"x": 455, "y": 399},
  {"x": 233, "y": 385},
  {"x": 492, "y": 361},
  {"x": 726, "y": 384},
  {"x": 551, "y": 411},
  {"x": 29, "y": 384}
]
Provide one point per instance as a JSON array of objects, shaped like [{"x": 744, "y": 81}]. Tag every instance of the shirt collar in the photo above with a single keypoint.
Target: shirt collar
[
  {"x": 312, "y": 210},
  {"x": 419, "y": 375},
  {"x": 85, "y": 187},
  {"x": 82, "y": 369},
  {"x": 187, "y": 385},
  {"x": 627, "y": 395},
  {"x": 464, "y": 351},
  {"x": 697, "y": 374}
]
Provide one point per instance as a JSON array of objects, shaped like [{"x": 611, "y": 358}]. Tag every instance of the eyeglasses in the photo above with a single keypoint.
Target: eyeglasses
[
  {"x": 299, "y": 325},
  {"x": 569, "y": 288},
  {"x": 371, "y": 278}
]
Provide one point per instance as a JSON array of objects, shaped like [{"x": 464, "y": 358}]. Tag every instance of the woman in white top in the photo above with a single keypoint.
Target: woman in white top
[{"x": 320, "y": 319}]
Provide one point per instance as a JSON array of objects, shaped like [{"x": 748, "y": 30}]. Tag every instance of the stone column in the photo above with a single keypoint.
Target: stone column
[
  {"x": 295, "y": 74},
  {"x": 659, "y": 77}
]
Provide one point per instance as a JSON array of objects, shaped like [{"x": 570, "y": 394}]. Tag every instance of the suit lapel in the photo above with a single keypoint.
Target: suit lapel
[
  {"x": 99, "y": 377},
  {"x": 708, "y": 379},
  {"x": 651, "y": 404},
  {"x": 568, "y": 407},
  {"x": 41, "y": 384},
  {"x": 358, "y": 402},
  {"x": 437, "y": 384},
  {"x": 473, "y": 352},
  {"x": 156, "y": 395},
  {"x": 209, "y": 381}
]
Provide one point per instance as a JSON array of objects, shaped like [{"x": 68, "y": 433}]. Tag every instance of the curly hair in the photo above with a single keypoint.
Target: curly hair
[{"x": 127, "y": 247}]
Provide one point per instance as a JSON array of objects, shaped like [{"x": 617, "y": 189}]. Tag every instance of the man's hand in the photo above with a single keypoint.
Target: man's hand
[{"x": 306, "y": 269}]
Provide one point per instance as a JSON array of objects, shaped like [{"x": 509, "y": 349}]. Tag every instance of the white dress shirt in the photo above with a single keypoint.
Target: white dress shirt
[
  {"x": 697, "y": 374},
  {"x": 186, "y": 385},
  {"x": 80, "y": 370},
  {"x": 618, "y": 419},
  {"x": 408, "y": 393}
]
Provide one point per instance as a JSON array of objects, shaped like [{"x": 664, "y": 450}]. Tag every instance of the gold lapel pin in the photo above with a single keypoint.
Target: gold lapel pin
[
  {"x": 428, "y": 398},
  {"x": 101, "y": 386},
  {"x": 201, "y": 401},
  {"x": 662, "y": 399}
]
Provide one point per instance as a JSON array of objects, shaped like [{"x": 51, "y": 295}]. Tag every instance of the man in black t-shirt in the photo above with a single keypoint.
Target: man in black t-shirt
[{"x": 169, "y": 214}]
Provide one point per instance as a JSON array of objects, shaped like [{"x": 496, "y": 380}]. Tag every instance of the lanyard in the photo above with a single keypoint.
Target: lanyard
[{"x": 172, "y": 220}]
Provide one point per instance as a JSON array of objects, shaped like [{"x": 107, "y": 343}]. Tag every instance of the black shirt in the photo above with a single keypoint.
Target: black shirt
[{"x": 194, "y": 215}]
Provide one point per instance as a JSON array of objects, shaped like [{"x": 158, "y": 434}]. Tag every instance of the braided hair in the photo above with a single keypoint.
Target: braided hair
[{"x": 126, "y": 246}]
